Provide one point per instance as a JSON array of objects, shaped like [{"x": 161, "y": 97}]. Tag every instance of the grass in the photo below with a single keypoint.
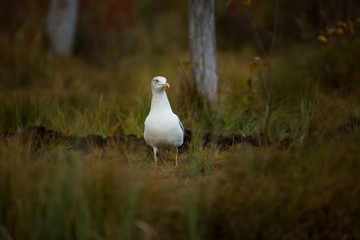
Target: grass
[{"x": 307, "y": 191}]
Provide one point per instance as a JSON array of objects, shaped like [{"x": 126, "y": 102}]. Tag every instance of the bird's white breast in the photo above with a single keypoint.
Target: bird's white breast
[{"x": 162, "y": 130}]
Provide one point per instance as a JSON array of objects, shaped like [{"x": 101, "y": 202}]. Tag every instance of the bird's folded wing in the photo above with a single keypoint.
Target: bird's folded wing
[{"x": 181, "y": 126}]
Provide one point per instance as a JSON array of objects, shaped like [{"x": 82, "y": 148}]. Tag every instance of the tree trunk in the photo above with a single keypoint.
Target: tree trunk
[
  {"x": 202, "y": 43},
  {"x": 61, "y": 25}
]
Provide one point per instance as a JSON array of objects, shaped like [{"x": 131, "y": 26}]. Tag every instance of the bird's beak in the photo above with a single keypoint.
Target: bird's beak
[{"x": 166, "y": 85}]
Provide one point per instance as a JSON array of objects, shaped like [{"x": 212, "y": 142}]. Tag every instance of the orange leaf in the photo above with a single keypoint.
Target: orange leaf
[
  {"x": 339, "y": 31},
  {"x": 322, "y": 38}
]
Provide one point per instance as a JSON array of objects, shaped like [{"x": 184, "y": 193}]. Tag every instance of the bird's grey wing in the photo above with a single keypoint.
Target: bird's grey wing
[{"x": 181, "y": 126}]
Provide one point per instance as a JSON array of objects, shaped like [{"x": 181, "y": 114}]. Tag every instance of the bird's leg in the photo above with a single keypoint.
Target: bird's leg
[
  {"x": 176, "y": 157},
  {"x": 155, "y": 157}
]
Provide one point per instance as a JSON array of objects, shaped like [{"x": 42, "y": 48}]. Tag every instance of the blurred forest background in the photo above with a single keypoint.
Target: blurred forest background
[
  {"x": 108, "y": 33},
  {"x": 301, "y": 183}
]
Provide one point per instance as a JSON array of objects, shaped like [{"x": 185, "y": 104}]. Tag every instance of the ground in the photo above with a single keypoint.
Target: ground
[{"x": 73, "y": 163}]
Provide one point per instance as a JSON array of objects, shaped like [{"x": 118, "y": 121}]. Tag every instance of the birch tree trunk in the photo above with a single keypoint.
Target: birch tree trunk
[
  {"x": 202, "y": 42},
  {"x": 61, "y": 25}
]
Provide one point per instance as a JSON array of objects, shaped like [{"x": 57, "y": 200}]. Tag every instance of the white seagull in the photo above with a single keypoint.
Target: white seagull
[{"x": 163, "y": 129}]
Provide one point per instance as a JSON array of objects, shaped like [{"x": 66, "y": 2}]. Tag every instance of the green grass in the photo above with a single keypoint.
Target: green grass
[{"x": 308, "y": 191}]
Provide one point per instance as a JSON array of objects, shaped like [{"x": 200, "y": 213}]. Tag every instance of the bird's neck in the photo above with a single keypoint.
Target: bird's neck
[{"x": 160, "y": 101}]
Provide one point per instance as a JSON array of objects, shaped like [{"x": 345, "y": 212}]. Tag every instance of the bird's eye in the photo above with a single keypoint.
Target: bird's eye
[{"x": 156, "y": 81}]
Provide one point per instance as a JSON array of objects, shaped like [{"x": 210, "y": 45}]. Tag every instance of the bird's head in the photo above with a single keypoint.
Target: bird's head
[{"x": 159, "y": 84}]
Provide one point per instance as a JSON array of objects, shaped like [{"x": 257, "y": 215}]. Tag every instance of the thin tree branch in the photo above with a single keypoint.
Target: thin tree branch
[{"x": 275, "y": 27}]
